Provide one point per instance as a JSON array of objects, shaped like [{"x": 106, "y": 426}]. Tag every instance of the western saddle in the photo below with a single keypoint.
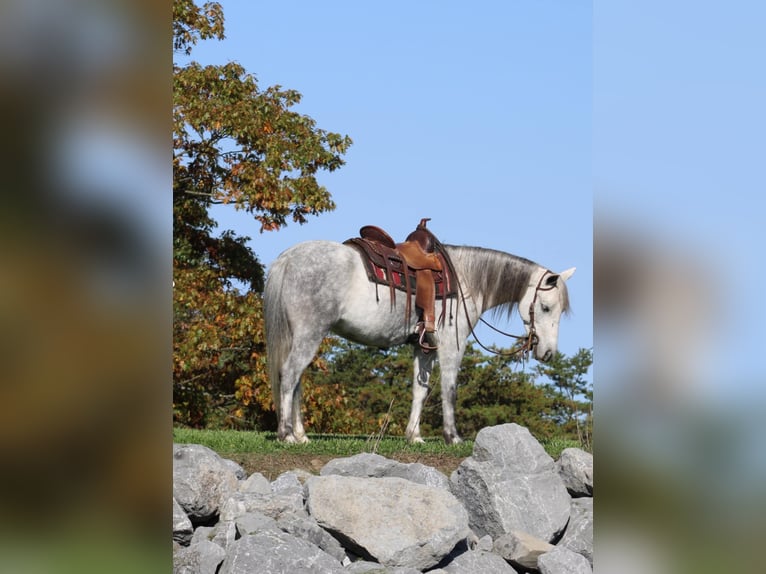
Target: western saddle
[{"x": 419, "y": 264}]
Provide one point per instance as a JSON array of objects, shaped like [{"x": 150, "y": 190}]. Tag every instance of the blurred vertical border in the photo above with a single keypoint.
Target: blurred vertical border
[
  {"x": 679, "y": 150},
  {"x": 85, "y": 286}
]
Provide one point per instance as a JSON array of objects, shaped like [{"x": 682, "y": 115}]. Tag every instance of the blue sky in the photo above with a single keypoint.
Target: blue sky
[
  {"x": 477, "y": 115},
  {"x": 679, "y": 154}
]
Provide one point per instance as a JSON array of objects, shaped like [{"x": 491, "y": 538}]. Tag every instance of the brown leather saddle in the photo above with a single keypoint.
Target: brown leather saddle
[{"x": 397, "y": 266}]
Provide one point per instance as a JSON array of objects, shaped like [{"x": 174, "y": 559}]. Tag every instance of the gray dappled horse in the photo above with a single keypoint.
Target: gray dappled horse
[{"x": 318, "y": 287}]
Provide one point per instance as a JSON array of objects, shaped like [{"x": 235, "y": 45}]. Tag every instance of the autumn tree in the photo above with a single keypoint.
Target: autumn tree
[{"x": 238, "y": 144}]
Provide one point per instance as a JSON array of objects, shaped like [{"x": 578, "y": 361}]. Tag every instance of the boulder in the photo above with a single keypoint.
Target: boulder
[
  {"x": 182, "y": 526},
  {"x": 478, "y": 561},
  {"x": 369, "y": 465},
  {"x": 393, "y": 521},
  {"x": 202, "y": 481},
  {"x": 563, "y": 561},
  {"x": 511, "y": 483},
  {"x": 579, "y": 533},
  {"x": 256, "y": 483},
  {"x": 224, "y": 533},
  {"x": 521, "y": 549},
  {"x": 276, "y": 552},
  {"x": 575, "y": 467},
  {"x": 254, "y": 522},
  {"x": 307, "y": 529},
  {"x": 201, "y": 558}
]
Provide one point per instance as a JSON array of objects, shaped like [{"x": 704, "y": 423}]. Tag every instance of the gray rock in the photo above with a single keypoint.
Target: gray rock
[
  {"x": 563, "y": 561},
  {"x": 274, "y": 505},
  {"x": 256, "y": 483},
  {"x": 478, "y": 561},
  {"x": 254, "y": 522},
  {"x": 369, "y": 465},
  {"x": 578, "y": 536},
  {"x": 202, "y": 481},
  {"x": 308, "y": 529},
  {"x": 201, "y": 558},
  {"x": 364, "y": 465},
  {"x": 390, "y": 520},
  {"x": 238, "y": 471},
  {"x": 521, "y": 549},
  {"x": 224, "y": 534},
  {"x": 510, "y": 483},
  {"x": 182, "y": 526},
  {"x": 484, "y": 543},
  {"x": 302, "y": 475},
  {"x": 273, "y": 552},
  {"x": 202, "y": 533},
  {"x": 234, "y": 507},
  {"x": 287, "y": 483},
  {"x": 575, "y": 467},
  {"x": 364, "y": 567}
]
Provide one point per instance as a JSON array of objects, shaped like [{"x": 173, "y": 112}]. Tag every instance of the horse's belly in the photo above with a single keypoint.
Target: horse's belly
[{"x": 372, "y": 320}]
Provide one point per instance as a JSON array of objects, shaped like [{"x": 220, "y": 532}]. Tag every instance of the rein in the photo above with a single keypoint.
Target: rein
[{"x": 530, "y": 340}]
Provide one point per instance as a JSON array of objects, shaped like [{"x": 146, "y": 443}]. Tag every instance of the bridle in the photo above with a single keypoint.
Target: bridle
[{"x": 525, "y": 343}]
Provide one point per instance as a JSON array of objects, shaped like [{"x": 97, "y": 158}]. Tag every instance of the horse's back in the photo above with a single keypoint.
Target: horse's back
[
  {"x": 314, "y": 254},
  {"x": 310, "y": 269}
]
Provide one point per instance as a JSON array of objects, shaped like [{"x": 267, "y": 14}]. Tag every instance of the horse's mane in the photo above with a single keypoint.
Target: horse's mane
[{"x": 502, "y": 278}]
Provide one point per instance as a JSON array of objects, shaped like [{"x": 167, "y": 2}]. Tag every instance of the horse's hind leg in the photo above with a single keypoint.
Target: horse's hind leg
[
  {"x": 420, "y": 389},
  {"x": 290, "y": 427},
  {"x": 298, "y": 431}
]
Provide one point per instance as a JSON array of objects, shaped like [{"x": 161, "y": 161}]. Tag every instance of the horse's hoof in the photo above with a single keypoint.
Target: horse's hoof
[
  {"x": 453, "y": 439},
  {"x": 413, "y": 437}
]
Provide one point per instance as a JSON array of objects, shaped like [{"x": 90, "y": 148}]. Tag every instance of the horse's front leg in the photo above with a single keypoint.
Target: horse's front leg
[
  {"x": 420, "y": 389},
  {"x": 449, "y": 369},
  {"x": 449, "y": 398}
]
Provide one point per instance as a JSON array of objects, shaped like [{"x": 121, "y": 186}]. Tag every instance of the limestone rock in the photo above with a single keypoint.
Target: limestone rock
[
  {"x": 478, "y": 561},
  {"x": 201, "y": 558},
  {"x": 256, "y": 483},
  {"x": 511, "y": 483},
  {"x": 575, "y": 467},
  {"x": 521, "y": 549},
  {"x": 563, "y": 561},
  {"x": 182, "y": 526},
  {"x": 375, "y": 466},
  {"x": 579, "y": 533},
  {"x": 276, "y": 552},
  {"x": 393, "y": 521},
  {"x": 202, "y": 481}
]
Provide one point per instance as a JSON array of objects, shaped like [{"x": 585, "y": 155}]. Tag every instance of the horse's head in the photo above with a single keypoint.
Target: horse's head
[{"x": 541, "y": 307}]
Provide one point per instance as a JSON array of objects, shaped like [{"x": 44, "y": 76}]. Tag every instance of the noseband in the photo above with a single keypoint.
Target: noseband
[{"x": 532, "y": 339}]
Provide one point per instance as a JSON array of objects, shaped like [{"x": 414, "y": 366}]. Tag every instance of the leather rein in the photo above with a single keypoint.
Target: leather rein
[{"x": 528, "y": 341}]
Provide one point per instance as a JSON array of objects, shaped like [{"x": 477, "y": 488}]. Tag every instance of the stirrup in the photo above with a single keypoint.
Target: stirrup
[{"x": 422, "y": 342}]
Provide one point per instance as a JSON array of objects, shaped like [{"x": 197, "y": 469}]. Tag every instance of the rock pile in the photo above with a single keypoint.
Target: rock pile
[{"x": 508, "y": 508}]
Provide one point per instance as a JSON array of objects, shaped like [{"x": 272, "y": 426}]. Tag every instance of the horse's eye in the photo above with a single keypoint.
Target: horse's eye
[{"x": 544, "y": 308}]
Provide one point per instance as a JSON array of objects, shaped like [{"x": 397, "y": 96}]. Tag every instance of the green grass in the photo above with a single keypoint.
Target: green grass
[
  {"x": 232, "y": 441},
  {"x": 326, "y": 444}
]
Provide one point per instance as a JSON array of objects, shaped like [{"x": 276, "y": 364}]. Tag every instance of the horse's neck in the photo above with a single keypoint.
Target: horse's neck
[{"x": 492, "y": 278}]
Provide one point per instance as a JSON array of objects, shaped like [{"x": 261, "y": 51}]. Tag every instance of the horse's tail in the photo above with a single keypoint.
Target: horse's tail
[{"x": 277, "y": 327}]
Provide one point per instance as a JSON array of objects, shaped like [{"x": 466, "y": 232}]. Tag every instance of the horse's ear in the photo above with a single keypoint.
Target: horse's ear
[{"x": 565, "y": 275}]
